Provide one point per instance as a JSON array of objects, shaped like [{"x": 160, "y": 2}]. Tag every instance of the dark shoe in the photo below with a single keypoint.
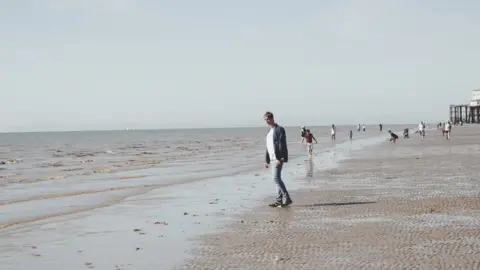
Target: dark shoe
[
  {"x": 275, "y": 204},
  {"x": 287, "y": 202}
]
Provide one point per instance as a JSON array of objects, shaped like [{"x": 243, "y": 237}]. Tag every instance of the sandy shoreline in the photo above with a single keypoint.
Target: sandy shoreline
[{"x": 413, "y": 204}]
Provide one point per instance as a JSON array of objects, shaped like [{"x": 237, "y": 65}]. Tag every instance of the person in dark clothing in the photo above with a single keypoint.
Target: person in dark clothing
[
  {"x": 381, "y": 127},
  {"x": 351, "y": 134},
  {"x": 405, "y": 134},
  {"x": 393, "y": 136},
  {"x": 277, "y": 152}
]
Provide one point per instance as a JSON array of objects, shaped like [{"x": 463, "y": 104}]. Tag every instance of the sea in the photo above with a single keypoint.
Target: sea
[{"x": 134, "y": 199}]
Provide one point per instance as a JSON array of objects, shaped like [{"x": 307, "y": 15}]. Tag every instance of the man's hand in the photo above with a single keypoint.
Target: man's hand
[
  {"x": 277, "y": 164},
  {"x": 266, "y": 165}
]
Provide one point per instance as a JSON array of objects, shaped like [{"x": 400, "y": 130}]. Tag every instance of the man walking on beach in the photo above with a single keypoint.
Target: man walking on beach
[{"x": 277, "y": 152}]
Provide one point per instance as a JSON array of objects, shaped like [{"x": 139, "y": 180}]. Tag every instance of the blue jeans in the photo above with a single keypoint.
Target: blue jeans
[{"x": 277, "y": 177}]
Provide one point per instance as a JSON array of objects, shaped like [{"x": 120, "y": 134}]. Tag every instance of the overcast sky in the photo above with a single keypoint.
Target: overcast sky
[{"x": 103, "y": 64}]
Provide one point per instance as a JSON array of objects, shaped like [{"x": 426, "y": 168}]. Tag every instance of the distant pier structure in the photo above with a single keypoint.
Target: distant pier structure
[
  {"x": 459, "y": 113},
  {"x": 467, "y": 113}
]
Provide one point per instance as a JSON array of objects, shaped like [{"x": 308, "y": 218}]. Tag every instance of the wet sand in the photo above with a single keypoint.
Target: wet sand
[{"x": 412, "y": 204}]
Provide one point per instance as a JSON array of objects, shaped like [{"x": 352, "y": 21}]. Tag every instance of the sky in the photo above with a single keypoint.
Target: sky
[{"x": 113, "y": 64}]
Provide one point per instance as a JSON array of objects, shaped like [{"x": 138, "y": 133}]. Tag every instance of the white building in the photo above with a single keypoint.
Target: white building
[{"x": 475, "y": 102}]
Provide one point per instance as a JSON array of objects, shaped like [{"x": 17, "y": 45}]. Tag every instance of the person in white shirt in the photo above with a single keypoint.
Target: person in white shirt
[
  {"x": 333, "y": 131},
  {"x": 448, "y": 127},
  {"x": 421, "y": 129},
  {"x": 277, "y": 152}
]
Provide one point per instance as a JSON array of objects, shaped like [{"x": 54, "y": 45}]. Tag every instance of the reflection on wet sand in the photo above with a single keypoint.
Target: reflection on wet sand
[{"x": 309, "y": 167}]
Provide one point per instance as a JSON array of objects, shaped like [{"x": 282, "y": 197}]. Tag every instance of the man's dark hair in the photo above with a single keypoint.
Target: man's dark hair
[{"x": 268, "y": 115}]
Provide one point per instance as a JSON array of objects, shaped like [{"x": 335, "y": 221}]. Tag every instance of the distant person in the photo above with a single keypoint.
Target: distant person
[
  {"x": 405, "y": 134},
  {"x": 393, "y": 136},
  {"x": 308, "y": 140},
  {"x": 277, "y": 152},
  {"x": 351, "y": 134},
  {"x": 421, "y": 129},
  {"x": 358, "y": 128},
  {"x": 381, "y": 127},
  {"x": 364, "y": 128},
  {"x": 333, "y": 132},
  {"x": 448, "y": 128}
]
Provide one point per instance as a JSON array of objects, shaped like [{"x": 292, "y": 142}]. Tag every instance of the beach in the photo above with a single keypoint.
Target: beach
[
  {"x": 197, "y": 200},
  {"x": 131, "y": 199},
  {"x": 412, "y": 204}
]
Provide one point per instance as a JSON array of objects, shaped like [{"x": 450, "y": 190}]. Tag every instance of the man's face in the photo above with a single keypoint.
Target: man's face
[{"x": 269, "y": 120}]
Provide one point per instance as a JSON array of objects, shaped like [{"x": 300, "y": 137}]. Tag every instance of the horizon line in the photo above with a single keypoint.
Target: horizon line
[{"x": 179, "y": 128}]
